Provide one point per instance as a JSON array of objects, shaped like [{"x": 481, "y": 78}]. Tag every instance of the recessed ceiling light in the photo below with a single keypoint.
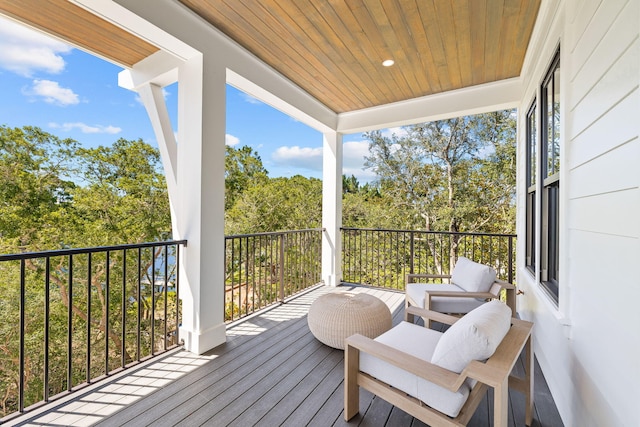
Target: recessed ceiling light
[{"x": 388, "y": 62}]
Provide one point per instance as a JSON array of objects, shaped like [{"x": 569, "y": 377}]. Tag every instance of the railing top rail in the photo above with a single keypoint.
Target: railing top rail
[
  {"x": 430, "y": 232},
  {"x": 75, "y": 251},
  {"x": 272, "y": 233}
]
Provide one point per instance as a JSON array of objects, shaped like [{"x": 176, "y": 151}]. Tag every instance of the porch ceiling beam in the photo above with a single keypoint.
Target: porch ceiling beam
[
  {"x": 484, "y": 98},
  {"x": 326, "y": 124},
  {"x": 160, "y": 69}
]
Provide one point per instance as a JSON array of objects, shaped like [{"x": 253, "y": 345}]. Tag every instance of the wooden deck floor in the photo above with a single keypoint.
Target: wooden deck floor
[{"x": 270, "y": 372}]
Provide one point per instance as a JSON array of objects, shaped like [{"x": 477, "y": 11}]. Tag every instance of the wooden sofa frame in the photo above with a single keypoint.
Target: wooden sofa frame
[
  {"x": 493, "y": 293},
  {"x": 495, "y": 372}
]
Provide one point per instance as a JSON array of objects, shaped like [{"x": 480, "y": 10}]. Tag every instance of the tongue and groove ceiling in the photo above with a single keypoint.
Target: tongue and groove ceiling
[{"x": 334, "y": 49}]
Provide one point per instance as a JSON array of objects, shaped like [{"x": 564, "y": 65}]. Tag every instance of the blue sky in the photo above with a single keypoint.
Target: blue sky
[{"x": 71, "y": 94}]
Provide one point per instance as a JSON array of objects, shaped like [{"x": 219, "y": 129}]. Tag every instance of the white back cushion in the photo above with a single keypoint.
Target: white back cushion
[
  {"x": 471, "y": 276},
  {"x": 474, "y": 337}
]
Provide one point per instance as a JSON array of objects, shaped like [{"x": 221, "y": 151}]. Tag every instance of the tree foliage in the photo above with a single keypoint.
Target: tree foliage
[
  {"x": 277, "y": 204},
  {"x": 243, "y": 168},
  {"x": 454, "y": 175},
  {"x": 36, "y": 188},
  {"x": 55, "y": 194}
]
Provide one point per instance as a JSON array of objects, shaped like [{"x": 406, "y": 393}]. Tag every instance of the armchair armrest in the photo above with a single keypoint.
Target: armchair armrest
[
  {"x": 431, "y": 315},
  {"x": 504, "y": 285},
  {"x": 460, "y": 294},
  {"x": 416, "y": 366}
]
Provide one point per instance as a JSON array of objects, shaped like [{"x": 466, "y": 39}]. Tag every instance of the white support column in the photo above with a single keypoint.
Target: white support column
[
  {"x": 200, "y": 209},
  {"x": 331, "y": 207}
]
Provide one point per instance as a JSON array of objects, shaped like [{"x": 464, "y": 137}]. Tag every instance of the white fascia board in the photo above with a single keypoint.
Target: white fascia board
[
  {"x": 488, "y": 97},
  {"x": 327, "y": 124},
  {"x": 170, "y": 25}
]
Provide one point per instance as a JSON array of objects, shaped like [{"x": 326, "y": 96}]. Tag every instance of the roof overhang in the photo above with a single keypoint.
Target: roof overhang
[{"x": 124, "y": 32}]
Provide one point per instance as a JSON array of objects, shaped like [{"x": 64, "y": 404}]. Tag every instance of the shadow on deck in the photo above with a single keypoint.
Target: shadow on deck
[{"x": 271, "y": 371}]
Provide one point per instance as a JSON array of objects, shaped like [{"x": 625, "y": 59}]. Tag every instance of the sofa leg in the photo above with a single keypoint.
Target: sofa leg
[
  {"x": 351, "y": 389},
  {"x": 529, "y": 381},
  {"x": 408, "y": 317},
  {"x": 501, "y": 404}
]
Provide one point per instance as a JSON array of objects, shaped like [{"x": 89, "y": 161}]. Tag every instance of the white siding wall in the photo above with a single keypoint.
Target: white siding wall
[{"x": 589, "y": 346}]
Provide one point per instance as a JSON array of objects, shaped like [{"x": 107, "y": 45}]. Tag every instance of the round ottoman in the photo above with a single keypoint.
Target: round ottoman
[{"x": 338, "y": 315}]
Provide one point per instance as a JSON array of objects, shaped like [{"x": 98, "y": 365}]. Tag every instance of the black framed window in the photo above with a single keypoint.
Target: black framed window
[
  {"x": 550, "y": 177},
  {"x": 532, "y": 145}
]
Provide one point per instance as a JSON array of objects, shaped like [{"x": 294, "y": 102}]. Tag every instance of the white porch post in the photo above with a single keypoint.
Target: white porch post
[
  {"x": 200, "y": 207},
  {"x": 331, "y": 207}
]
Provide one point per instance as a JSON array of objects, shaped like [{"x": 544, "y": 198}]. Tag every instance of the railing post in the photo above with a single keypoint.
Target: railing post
[
  {"x": 22, "y": 340},
  {"x": 47, "y": 299},
  {"x": 510, "y": 259},
  {"x": 411, "y": 252},
  {"x": 106, "y": 315},
  {"x": 281, "y": 268},
  {"x": 70, "y": 325},
  {"x": 178, "y": 310}
]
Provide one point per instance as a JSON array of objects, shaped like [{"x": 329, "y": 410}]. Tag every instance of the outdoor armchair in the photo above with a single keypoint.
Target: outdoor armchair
[
  {"x": 470, "y": 285},
  {"x": 441, "y": 378}
]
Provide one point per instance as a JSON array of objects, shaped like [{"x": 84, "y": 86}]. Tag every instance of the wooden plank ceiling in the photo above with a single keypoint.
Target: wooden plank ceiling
[
  {"x": 75, "y": 25},
  {"x": 334, "y": 49}
]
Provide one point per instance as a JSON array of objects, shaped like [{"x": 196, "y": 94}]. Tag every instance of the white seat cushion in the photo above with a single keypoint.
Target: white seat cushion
[
  {"x": 474, "y": 337},
  {"x": 471, "y": 276},
  {"x": 419, "y": 342},
  {"x": 415, "y": 292}
]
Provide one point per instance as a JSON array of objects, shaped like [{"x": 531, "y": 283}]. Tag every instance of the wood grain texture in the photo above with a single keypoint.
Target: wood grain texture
[
  {"x": 80, "y": 28},
  {"x": 334, "y": 49}
]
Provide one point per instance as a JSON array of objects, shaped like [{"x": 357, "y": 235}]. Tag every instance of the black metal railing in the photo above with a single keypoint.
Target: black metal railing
[
  {"x": 265, "y": 268},
  {"x": 83, "y": 314},
  {"x": 384, "y": 257}
]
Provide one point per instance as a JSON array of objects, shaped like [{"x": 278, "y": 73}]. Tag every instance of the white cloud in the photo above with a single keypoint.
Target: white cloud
[
  {"x": 231, "y": 140},
  {"x": 399, "y": 132},
  {"x": 52, "y": 93},
  {"x": 250, "y": 99},
  {"x": 25, "y": 51},
  {"x": 353, "y": 157},
  {"x": 84, "y": 128},
  {"x": 354, "y": 152},
  {"x": 299, "y": 157}
]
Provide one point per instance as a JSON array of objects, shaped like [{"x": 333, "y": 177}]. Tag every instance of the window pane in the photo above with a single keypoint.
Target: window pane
[
  {"x": 531, "y": 231},
  {"x": 549, "y": 229},
  {"x": 556, "y": 121},
  {"x": 532, "y": 147},
  {"x": 550, "y": 126}
]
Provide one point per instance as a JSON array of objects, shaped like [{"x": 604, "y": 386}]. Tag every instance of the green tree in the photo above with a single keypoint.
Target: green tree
[
  {"x": 277, "y": 204},
  {"x": 243, "y": 167},
  {"x": 454, "y": 175},
  {"x": 55, "y": 194},
  {"x": 36, "y": 186},
  {"x": 123, "y": 197}
]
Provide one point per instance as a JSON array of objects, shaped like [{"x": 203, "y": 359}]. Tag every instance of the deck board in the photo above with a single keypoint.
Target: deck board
[{"x": 272, "y": 371}]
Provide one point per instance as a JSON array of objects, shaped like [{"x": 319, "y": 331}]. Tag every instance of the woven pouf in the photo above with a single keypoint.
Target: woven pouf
[{"x": 338, "y": 315}]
